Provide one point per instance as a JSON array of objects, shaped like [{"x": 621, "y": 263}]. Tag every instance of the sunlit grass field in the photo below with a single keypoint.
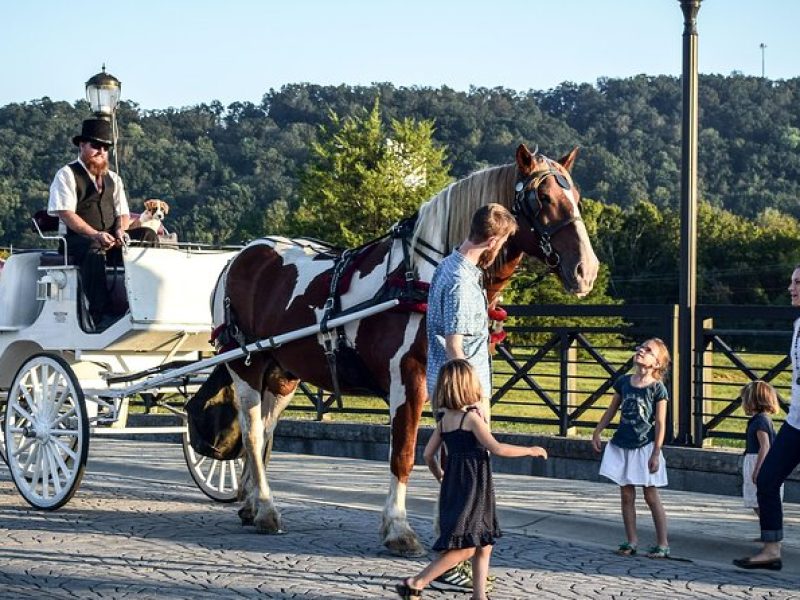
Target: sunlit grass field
[{"x": 523, "y": 410}]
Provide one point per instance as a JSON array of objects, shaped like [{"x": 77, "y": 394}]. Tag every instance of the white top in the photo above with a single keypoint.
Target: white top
[
  {"x": 793, "y": 418},
  {"x": 63, "y": 194}
]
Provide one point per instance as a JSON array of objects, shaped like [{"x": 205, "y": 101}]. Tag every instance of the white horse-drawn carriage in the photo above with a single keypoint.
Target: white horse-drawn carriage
[
  {"x": 56, "y": 375},
  {"x": 60, "y": 382}
]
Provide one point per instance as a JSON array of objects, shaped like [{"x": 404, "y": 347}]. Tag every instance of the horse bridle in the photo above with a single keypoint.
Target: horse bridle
[{"x": 528, "y": 205}]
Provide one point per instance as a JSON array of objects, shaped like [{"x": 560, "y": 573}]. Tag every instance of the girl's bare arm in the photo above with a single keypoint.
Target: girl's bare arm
[
  {"x": 431, "y": 455},
  {"x": 658, "y": 440},
  {"x": 605, "y": 420},
  {"x": 478, "y": 426}
]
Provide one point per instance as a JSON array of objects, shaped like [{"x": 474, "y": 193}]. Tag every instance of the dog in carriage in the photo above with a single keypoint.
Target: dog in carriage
[{"x": 153, "y": 215}]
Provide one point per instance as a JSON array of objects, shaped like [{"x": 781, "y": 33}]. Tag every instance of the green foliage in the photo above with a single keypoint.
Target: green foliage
[
  {"x": 361, "y": 179},
  {"x": 234, "y": 173}
]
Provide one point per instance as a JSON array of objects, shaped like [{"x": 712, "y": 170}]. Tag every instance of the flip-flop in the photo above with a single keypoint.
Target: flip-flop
[
  {"x": 658, "y": 552},
  {"x": 626, "y": 549}
]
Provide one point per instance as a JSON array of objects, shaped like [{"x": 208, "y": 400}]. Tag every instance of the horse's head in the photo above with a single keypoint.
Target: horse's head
[{"x": 546, "y": 205}]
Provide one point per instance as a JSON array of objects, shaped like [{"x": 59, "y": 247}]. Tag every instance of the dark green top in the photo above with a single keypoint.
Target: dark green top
[{"x": 637, "y": 408}]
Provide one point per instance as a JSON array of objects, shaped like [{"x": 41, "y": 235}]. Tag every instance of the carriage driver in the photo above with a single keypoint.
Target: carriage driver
[{"x": 92, "y": 208}]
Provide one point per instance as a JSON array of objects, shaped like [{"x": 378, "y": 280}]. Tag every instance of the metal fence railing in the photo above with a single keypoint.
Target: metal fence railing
[{"x": 555, "y": 370}]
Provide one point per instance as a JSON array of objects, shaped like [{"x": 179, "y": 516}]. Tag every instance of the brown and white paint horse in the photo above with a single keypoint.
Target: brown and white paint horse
[{"x": 277, "y": 285}]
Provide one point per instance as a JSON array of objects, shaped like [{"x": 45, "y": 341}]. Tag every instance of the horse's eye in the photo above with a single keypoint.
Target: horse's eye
[{"x": 545, "y": 199}]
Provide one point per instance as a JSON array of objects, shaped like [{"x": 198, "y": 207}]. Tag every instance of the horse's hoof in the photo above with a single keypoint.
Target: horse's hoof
[
  {"x": 246, "y": 515},
  {"x": 269, "y": 524},
  {"x": 268, "y": 529},
  {"x": 407, "y": 547}
]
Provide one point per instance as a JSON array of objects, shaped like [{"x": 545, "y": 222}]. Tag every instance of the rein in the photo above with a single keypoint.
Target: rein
[{"x": 528, "y": 205}]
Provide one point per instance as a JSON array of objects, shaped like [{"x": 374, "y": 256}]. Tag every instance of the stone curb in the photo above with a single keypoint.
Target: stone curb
[{"x": 690, "y": 469}]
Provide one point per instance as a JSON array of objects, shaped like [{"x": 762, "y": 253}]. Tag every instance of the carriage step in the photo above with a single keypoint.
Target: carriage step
[{"x": 138, "y": 430}]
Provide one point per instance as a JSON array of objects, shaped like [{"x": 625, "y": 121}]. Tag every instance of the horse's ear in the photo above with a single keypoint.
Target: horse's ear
[
  {"x": 524, "y": 159},
  {"x": 568, "y": 160}
]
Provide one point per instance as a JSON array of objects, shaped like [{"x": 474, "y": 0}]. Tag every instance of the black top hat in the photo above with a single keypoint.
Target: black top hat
[{"x": 95, "y": 130}]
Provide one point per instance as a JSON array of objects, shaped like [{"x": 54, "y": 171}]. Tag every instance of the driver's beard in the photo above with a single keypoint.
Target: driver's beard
[{"x": 97, "y": 165}]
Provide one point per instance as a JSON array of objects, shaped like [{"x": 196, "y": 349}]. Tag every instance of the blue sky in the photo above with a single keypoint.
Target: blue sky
[{"x": 180, "y": 52}]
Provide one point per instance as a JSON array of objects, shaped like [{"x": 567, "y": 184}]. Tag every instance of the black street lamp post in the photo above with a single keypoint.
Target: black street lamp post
[{"x": 688, "y": 213}]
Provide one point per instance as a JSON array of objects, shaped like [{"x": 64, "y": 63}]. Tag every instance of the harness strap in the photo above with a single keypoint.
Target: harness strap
[
  {"x": 229, "y": 334},
  {"x": 530, "y": 184},
  {"x": 332, "y": 341}
]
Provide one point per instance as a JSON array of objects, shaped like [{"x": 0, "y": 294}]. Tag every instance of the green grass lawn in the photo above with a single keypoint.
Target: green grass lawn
[{"x": 521, "y": 409}]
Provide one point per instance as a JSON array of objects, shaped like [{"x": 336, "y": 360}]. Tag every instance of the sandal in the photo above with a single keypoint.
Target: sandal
[
  {"x": 626, "y": 549},
  {"x": 658, "y": 552},
  {"x": 406, "y": 592}
]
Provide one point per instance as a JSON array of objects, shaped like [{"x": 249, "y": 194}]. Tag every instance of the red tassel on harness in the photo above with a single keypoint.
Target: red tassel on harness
[{"x": 496, "y": 333}]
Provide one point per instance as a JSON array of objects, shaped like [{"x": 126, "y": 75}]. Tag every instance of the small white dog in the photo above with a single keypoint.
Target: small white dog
[{"x": 154, "y": 213}]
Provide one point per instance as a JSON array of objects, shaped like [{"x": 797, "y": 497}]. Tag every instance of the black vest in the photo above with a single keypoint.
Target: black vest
[{"x": 94, "y": 208}]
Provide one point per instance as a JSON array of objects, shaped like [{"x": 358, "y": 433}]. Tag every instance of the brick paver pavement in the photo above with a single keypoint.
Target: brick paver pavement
[{"x": 138, "y": 530}]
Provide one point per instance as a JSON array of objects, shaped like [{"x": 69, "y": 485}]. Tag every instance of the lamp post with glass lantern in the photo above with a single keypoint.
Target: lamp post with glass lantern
[{"x": 103, "y": 92}]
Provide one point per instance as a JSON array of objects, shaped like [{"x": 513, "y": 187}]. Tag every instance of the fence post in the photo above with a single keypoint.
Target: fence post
[
  {"x": 319, "y": 404},
  {"x": 703, "y": 385},
  {"x": 567, "y": 370}
]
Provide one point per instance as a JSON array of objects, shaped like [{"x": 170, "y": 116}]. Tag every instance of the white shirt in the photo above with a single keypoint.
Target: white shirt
[
  {"x": 793, "y": 418},
  {"x": 63, "y": 194}
]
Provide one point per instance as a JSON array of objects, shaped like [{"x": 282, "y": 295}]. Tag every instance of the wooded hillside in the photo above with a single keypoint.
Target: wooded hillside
[{"x": 222, "y": 168}]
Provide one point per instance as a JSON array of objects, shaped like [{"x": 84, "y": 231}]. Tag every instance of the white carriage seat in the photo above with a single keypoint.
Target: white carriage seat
[
  {"x": 47, "y": 227},
  {"x": 18, "y": 305}
]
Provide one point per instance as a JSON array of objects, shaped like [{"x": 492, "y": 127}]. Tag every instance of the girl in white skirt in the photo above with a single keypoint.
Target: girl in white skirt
[
  {"x": 633, "y": 456},
  {"x": 759, "y": 400}
]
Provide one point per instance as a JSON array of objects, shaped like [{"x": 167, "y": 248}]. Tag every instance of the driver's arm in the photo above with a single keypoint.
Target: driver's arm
[{"x": 79, "y": 226}]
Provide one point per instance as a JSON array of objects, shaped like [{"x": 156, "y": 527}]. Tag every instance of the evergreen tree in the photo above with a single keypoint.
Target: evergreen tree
[{"x": 363, "y": 176}]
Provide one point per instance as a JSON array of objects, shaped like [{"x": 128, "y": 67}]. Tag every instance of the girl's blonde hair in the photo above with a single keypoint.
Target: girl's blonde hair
[
  {"x": 661, "y": 353},
  {"x": 458, "y": 385},
  {"x": 758, "y": 396}
]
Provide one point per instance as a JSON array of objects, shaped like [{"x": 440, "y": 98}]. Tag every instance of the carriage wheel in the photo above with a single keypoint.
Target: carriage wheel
[
  {"x": 46, "y": 431},
  {"x": 220, "y": 480},
  {"x": 2, "y": 429}
]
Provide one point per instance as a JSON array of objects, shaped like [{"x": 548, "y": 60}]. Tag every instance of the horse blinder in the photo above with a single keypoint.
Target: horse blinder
[{"x": 530, "y": 206}]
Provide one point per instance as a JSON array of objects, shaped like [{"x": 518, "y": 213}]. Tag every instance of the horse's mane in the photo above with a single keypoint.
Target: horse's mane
[{"x": 444, "y": 220}]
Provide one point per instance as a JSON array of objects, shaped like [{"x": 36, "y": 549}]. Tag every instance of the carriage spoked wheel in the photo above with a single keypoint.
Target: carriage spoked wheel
[
  {"x": 220, "y": 480},
  {"x": 46, "y": 431},
  {"x": 2, "y": 430}
]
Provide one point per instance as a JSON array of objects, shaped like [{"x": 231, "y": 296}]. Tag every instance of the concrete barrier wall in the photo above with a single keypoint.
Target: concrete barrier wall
[{"x": 689, "y": 469}]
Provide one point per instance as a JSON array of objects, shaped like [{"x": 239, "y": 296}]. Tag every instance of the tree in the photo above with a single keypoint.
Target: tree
[{"x": 360, "y": 178}]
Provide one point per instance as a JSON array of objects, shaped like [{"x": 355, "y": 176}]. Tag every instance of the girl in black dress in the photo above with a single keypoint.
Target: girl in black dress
[{"x": 467, "y": 519}]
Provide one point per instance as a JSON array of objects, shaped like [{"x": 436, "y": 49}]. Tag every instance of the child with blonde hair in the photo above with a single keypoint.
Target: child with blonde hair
[
  {"x": 467, "y": 518},
  {"x": 759, "y": 400},
  {"x": 633, "y": 456}
]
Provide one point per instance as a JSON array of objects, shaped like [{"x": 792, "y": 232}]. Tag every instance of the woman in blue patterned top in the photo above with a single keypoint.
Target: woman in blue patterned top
[
  {"x": 633, "y": 456},
  {"x": 781, "y": 460}
]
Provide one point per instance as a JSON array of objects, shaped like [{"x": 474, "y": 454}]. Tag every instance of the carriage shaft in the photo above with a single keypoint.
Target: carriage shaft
[{"x": 257, "y": 346}]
